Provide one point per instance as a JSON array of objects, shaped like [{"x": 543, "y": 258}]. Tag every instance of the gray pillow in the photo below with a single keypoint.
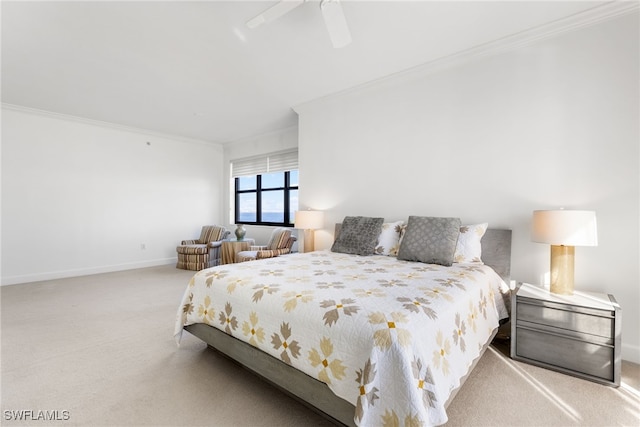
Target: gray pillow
[
  {"x": 430, "y": 240},
  {"x": 358, "y": 235}
]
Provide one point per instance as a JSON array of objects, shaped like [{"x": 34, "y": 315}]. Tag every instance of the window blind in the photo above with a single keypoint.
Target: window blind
[{"x": 274, "y": 162}]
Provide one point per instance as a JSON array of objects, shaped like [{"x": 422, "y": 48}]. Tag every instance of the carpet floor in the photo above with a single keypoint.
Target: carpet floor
[{"x": 98, "y": 351}]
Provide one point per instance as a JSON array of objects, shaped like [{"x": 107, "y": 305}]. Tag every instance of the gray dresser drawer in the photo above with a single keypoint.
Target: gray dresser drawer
[
  {"x": 568, "y": 353},
  {"x": 590, "y": 322}
]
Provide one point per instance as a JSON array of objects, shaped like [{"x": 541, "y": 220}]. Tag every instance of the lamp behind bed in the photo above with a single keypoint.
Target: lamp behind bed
[{"x": 309, "y": 221}]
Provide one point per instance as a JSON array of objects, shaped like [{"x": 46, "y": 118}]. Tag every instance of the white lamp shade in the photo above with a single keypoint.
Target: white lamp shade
[
  {"x": 309, "y": 220},
  {"x": 565, "y": 227}
]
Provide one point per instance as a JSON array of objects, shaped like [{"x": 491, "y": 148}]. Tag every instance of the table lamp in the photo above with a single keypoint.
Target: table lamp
[
  {"x": 564, "y": 230},
  {"x": 309, "y": 221}
]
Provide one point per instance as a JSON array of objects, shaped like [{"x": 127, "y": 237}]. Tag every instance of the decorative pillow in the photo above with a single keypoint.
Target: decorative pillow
[
  {"x": 403, "y": 231},
  {"x": 468, "y": 248},
  {"x": 389, "y": 239},
  {"x": 358, "y": 235},
  {"x": 430, "y": 240}
]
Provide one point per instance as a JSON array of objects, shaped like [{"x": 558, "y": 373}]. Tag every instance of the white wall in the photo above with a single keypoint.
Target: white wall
[
  {"x": 79, "y": 197},
  {"x": 285, "y": 139},
  {"x": 554, "y": 124}
]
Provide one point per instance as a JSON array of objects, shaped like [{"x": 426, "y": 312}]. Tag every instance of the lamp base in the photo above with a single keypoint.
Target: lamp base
[
  {"x": 562, "y": 267},
  {"x": 309, "y": 244}
]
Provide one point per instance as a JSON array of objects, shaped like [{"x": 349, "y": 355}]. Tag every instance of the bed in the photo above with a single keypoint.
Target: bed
[{"x": 363, "y": 340}]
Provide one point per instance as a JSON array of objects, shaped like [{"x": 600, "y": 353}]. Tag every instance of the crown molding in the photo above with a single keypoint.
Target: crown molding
[
  {"x": 253, "y": 138},
  {"x": 512, "y": 42},
  {"x": 553, "y": 29},
  {"x": 108, "y": 125}
]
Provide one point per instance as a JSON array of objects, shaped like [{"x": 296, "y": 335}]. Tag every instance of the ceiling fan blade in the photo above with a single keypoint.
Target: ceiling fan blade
[
  {"x": 335, "y": 22},
  {"x": 274, "y": 12}
]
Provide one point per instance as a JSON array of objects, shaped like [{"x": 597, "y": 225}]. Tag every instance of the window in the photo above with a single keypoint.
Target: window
[
  {"x": 266, "y": 199},
  {"x": 266, "y": 189}
]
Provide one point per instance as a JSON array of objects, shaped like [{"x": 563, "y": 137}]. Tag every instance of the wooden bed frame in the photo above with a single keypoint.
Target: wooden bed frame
[{"x": 496, "y": 252}]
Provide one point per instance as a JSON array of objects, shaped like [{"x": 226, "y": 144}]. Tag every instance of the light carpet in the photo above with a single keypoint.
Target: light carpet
[{"x": 98, "y": 351}]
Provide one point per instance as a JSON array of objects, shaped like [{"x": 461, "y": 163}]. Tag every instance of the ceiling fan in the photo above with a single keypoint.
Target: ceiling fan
[{"x": 331, "y": 12}]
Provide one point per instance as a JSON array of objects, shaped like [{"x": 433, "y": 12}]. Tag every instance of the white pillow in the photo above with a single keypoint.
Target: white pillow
[
  {"x": 468, "y": 248},
  {"x": 389, "y": 239}
]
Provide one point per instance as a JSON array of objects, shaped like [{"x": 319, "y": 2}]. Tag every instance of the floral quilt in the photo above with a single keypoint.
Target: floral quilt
[{"x": 394, "y": 338}]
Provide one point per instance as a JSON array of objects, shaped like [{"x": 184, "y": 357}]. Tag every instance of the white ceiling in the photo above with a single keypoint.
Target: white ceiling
[{"x": 195, "y": 70}]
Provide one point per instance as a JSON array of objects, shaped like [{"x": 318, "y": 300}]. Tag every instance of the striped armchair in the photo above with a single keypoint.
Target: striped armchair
[
  {"x": 203, "y": 252},
  {"x": 280, "y": 243}
]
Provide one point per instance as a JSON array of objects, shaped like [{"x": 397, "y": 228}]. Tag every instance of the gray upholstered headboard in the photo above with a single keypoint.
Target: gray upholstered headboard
[{"x": 496, "y": 251}]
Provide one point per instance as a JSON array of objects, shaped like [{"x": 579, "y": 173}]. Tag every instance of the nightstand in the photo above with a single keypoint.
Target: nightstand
[{"x": 575, "y": 334}]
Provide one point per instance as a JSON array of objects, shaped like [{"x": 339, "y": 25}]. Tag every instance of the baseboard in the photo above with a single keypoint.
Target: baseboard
[
  {"x": 52, "y": 275},
  {"x": 631, "y": 353}
]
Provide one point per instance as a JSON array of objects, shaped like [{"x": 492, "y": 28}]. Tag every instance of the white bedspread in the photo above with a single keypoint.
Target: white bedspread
[{"x": 392, "y": 337}]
